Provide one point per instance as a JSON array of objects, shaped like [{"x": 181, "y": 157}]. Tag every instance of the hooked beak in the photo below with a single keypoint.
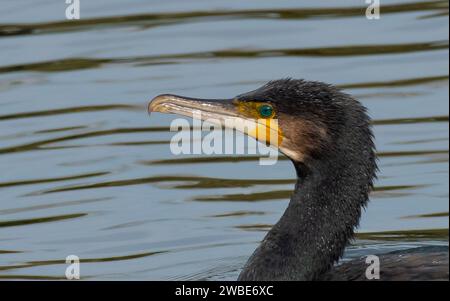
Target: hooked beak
[{"x": 224, "y": 112}]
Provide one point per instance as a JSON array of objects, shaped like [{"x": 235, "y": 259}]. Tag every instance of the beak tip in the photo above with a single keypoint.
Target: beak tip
[
  {"x": 149, "y": 108},
  {"x": 155, "y": 103}
]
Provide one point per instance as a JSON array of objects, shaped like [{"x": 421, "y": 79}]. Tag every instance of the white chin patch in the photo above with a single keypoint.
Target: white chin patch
[{"x": 292, "y": 154}]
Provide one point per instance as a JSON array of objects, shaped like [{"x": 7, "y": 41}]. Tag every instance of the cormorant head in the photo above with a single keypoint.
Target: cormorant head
[{"x": 310, "y": 120}]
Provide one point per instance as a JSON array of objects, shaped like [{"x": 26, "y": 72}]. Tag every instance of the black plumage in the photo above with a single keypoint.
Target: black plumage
[{"x": 335, "y": 173}]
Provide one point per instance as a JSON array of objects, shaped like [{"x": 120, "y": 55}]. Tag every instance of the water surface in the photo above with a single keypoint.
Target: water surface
[{"x": 85, "y": 171}]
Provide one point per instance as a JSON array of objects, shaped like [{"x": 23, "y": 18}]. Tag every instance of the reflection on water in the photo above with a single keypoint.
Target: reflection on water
[
  {"x": 87, "y": 172},
  {"x": 39, "y": 220},
  {"x": 439, "y": 8},
  {"x": 352, "y": 50}
]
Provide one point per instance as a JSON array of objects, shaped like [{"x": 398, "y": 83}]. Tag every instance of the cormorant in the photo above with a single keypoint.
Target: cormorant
[{"x": 327, "y": 135}]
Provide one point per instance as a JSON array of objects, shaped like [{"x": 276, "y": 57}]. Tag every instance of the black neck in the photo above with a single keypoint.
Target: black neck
[{"x": 318, "y": 222}]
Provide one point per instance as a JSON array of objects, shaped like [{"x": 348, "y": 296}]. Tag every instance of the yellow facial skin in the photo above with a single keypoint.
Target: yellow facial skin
[{"x": 264, "y": 129}]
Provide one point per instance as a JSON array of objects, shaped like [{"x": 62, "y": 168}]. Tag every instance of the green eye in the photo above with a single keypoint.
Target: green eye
[{"x": 265, "y": 111}]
